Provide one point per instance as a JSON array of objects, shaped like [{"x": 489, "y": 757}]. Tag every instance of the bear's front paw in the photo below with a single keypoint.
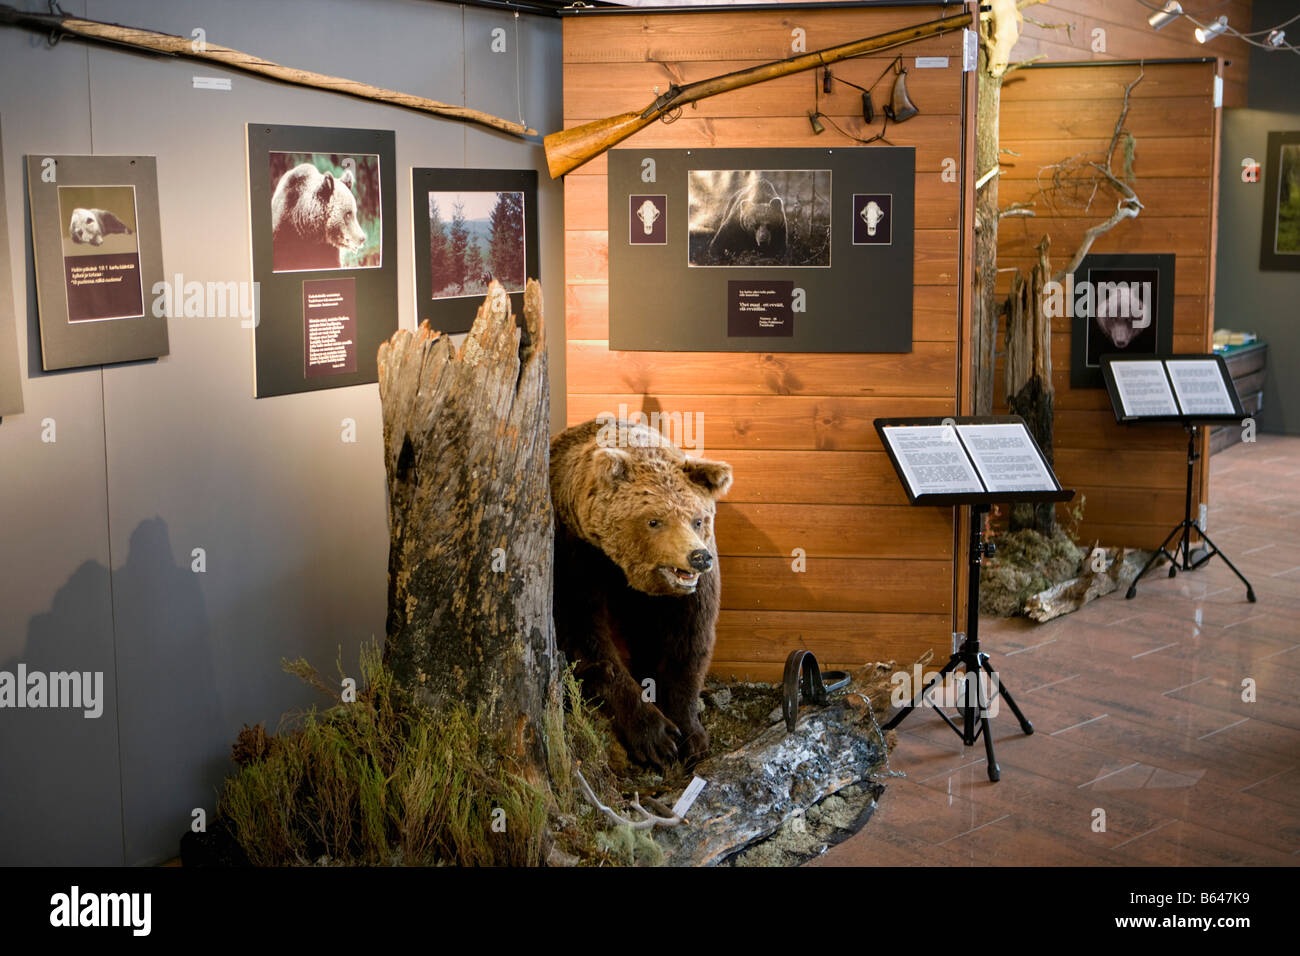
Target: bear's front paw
[
  {"x": 695, "y": 746},
  {"x": 652, "y": 737}
]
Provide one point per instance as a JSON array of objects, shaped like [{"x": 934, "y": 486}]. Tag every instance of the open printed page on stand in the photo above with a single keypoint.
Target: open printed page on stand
[
  {"x": 1007, "y": 458},
  {"x": 932, "y": 460},
  {"x": 1200, "y": 387},
  {"x": 1143, "y": 388}
]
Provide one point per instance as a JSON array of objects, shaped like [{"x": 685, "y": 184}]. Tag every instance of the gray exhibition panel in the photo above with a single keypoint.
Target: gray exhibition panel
[
  {"x": 772, "y": 250},
  {"x": 155, "y": 460}
]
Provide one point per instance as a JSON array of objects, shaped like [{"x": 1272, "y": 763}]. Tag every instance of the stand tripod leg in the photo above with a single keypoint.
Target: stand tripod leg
[
  {"x": 1132, "y": 588},
  {"x": 911, "y": 705},
  {"x": 1214, "y": 549},
  {"x": 970, "y": 711},
  {"x": 995, "y": 772},
  {"x": 1025, "y": 725}
]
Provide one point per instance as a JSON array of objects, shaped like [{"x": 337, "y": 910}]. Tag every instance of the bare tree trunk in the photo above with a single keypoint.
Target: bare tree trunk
[
  {"x": 985, "y": 306},
  {"x": 1029, "y": 376},
  {"x": 466, "y": 445}
]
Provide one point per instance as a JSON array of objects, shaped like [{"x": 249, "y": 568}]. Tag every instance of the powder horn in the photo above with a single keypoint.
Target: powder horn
[{"x": 900, "y": 105}]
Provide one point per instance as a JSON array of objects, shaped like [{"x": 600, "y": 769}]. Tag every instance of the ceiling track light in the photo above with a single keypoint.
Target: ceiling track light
[
  {"x": 816, "y": 120},
  {"x": 1205, "y": 34},
  {"x": 1166, "y": 15}
]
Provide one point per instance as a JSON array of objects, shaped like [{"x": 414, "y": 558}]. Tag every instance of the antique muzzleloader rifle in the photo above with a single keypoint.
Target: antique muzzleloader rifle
[
  {"x": 568, "y": 149},
  {"x": 58, "y": 25}
]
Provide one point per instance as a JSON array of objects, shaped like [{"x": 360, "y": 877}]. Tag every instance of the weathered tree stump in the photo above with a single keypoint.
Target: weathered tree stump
[{"x": 466, "y": 446}]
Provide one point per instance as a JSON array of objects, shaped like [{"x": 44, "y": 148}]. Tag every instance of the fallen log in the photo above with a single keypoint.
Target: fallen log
[
  {"x": 1061, "y": 599},
  {"x": 778, "y": 775}
]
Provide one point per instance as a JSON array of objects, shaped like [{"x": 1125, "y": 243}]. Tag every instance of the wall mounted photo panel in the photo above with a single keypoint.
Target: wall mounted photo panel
[
  {"x": 772, "y": 250},
  {"x": 1279, "y": 247},
  {"x": 11, "y": 386},
  {"x": 1119, "y": 304},
  {"x": 471, "y": 226},
  {"x": 98, "y": 250},
  {"x": 322, "y": 216}
]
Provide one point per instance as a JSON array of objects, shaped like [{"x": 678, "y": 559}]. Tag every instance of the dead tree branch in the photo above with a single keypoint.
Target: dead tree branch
[{"x": 1017, "y": 209}]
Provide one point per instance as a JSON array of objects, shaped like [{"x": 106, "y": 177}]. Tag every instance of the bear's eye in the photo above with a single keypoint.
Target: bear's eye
[
  {"x": 699, "y": 523},
  {"x": 654, "y": 522}
]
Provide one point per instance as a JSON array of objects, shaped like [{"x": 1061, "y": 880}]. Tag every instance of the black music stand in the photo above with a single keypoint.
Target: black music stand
[
  {"x": 962, "y": 467},
  {"x": 1194, "y": 390}
]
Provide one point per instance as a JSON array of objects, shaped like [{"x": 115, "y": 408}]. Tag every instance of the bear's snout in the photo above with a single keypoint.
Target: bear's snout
[{"x": 701, "y": 560}]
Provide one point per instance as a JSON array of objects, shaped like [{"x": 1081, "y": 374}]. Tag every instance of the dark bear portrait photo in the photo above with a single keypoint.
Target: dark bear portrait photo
[
  {"x": 325, "y": 212},
  {"x": 475, "y": 237},
  {"x": 1123, "y": 319},
  {"x": 760, "y": 217}
]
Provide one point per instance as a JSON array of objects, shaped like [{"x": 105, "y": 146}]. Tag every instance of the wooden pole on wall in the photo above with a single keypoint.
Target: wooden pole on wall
[
  {"x": 467, "y": 452},
  {"x": 59, "y": 25}
]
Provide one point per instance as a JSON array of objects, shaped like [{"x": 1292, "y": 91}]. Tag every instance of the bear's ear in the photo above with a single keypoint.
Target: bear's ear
[
  {"x": 713, "y": 476},
  {"x": 326, "y": 188},
  {"x": 610, "y": 464},
  {"x": 346, "y": 179},
  {"x": 776, "y": 204}
]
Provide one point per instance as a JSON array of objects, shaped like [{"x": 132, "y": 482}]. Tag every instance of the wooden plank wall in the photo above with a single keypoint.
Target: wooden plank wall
[
  {"x": 810, "y": 472},
  {"x": 1133, "y": 478},
  {"x": 1127, "y": 36}
]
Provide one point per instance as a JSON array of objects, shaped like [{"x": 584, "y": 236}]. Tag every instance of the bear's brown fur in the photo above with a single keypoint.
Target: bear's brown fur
[{"x": 636, "y": 566}]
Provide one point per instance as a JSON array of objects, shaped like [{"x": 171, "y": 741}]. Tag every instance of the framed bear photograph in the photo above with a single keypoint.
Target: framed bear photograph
[
  {"x": 1119, "y": 304},
  {"x": 738, "y": 218},
  {"x": 322, "y": 221},
  {"x": 342, "y": 231},
  {"x": 761, "y": 250},
  {"x": 471, "y": 227},
  {"x": 97, "y": 243}
]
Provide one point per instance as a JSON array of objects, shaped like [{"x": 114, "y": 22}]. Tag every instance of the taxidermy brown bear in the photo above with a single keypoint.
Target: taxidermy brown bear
[{"x": 636, "y": 569}]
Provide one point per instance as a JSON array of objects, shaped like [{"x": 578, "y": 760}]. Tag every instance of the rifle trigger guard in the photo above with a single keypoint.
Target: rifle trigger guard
[{"x": 661, "y": 103}]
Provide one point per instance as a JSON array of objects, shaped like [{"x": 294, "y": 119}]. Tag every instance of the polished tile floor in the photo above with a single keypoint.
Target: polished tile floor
[{"x": 1145, "y": 750}]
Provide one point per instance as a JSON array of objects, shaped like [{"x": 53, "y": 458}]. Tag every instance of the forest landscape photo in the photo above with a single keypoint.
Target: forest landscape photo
[{"x": 475, "y": 237}]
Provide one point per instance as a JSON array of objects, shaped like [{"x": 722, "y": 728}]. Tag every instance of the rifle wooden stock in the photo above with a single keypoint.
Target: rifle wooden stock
[
  {"x": 58, "y": 26},
  {"x": 570, "y": 148}
]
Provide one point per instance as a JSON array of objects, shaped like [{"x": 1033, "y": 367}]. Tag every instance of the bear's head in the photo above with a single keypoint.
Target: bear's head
[
  {"x": 341, "y": 227},
  {"x": 85, "y": 228},
  {"x": 765, "y": 221},
  {"x": 649, "y": 508}
]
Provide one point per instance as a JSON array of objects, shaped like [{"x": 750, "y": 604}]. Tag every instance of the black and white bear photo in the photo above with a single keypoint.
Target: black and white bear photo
[
  {"x": 99, "y": 220},
  {"x": 764, "y": 217},
  {"x": 325, "y": 212},
  {"x": 92, "y": 225}
]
